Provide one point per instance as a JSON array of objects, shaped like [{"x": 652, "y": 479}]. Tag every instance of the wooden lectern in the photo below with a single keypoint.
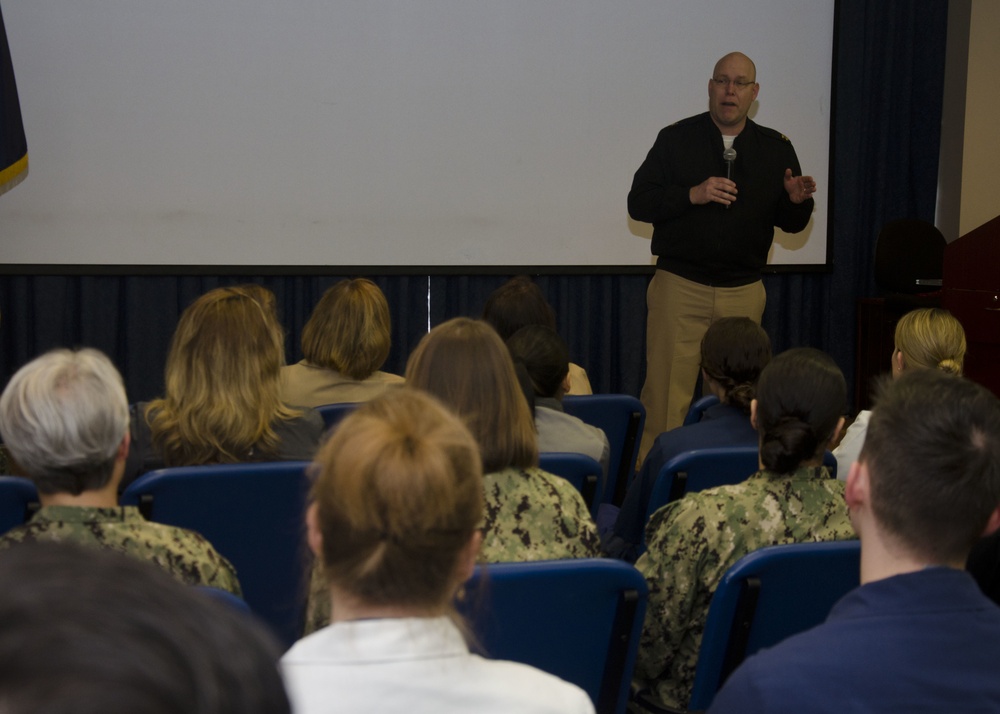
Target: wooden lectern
[{"x": 972, "y": 294}]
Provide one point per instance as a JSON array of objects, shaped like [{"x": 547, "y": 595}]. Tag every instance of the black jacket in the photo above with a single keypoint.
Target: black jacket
[{"x": 711, "y": 244}]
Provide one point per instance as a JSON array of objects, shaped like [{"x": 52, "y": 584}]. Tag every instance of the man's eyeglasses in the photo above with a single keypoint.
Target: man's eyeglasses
[{"x": 739, "y": 84}]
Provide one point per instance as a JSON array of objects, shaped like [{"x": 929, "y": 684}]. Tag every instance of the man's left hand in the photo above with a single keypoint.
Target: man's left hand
[{"x": 799, "y": 188}]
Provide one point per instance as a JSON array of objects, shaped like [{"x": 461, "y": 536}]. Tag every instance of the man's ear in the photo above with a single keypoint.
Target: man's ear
[
  {"x": 124, "y": 447},
  {"x": 753, "y": 413},
  {"x": 313, "y": 534},
  {"x": 856, "y": 492},
  {"x": 993, "y": 523}
]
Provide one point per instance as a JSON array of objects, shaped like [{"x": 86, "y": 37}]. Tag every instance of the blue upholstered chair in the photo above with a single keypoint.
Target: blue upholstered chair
[
  {"x": 577, "y": 619},
  {"x": 699, "y": 469},
  {"x": 766, "y": 596},
  {"x": 333, "y": 413},
  {"x": 225, "y": 597},
  {"x": 698, "y": 408},
  {"x": 253, "y": 514},
  {"x": 622, "y": 418},
  {"x": 579, "y": 469},
  {"x": 18, "y": 500}
]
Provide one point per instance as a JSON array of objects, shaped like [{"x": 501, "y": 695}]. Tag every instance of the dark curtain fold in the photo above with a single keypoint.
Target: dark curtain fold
[{"x": 889, "y": 76}]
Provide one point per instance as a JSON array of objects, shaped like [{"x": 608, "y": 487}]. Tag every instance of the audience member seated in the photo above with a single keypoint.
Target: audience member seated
[
  {"x": 801, "y": 396},
  {"x": 518, "y": 303},
  {"x": 734, "y": 350},
  {"x": 917, "y": 635},
  {"x": 529, "y": 513},
  {"x": 928, "y": 338},
  {"x": 95, "y": 632},
  {"x": 543, "y": 356},
  {"x": 222, "y": 401},
  {"x": 65, "y": 418},
  {"x": 395, "y": 515},
  {"x": 345, "y": 343}
]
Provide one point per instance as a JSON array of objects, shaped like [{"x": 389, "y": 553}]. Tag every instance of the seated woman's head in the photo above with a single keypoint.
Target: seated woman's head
[
  {"x": 396, "y": 502},
  {"x": 222, "y": 380},
  {"x": 734, "y": 350},
  {"x": 463, "y": 363},
  {"x": 349, "y": 329},
  {"x": 801, "y": 399},
  {"x": 545, "y": 359},
  {"x": 929, "y": 338},
  {"x": 515, "y": 304}
]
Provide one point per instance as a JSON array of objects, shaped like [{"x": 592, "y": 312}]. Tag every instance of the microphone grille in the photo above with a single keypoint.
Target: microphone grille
[{"x": 729, "y": 154}]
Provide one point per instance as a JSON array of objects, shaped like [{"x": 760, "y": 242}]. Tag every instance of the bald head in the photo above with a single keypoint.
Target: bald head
[{"x": 749, "y": 68}]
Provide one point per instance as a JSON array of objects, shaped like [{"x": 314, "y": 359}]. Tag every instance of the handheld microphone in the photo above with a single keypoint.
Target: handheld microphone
[{"x": 729, "y": 156}]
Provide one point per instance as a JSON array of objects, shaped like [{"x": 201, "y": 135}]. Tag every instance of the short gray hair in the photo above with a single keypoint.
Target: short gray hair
[{"x": 63, "y": 416}]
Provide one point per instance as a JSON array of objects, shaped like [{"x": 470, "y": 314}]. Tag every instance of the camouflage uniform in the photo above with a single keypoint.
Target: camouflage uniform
[
  {"x": 530, "y": 515},
  {"x": 184, "y": 554},
  {"x": 533, "y": 515},
  {"x": 694, "y": 541}
]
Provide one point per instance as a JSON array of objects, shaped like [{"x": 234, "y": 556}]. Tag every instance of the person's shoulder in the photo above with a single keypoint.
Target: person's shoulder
[
  {"x": 529, "y": 689},
  {"x": 18, "y": 534},
  {"x": 696, "y": 120},
  {"x": 683, "y": 129},
  {"x": 769, "y": 133},
  {"x": 380, "y": 377},
  {"x": 165, "y": 536}
]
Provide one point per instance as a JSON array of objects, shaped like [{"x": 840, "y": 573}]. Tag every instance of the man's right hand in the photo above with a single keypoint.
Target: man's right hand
[{"x": 714, "y": 188}]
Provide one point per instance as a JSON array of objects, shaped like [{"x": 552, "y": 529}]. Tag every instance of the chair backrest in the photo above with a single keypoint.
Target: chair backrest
[
  {"x": 333, "y": 413},
  {"x": 699, "y": 469},
  {"x": 767, "y": 596},
  {"x": 622, "y": 418},
  {"x": 253, "y": 514},
  {"x": 18, "y": 500},
  {"x": 226, "y": 598},
  {"x": 577, "y": 619},
  {"x": 579, "y": 469},
  {"x": 907, "y": 251},
  {"x": 698, "y": 408}
]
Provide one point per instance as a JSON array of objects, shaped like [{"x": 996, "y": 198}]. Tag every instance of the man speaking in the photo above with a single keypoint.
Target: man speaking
[{"x": 714, "y": 186}]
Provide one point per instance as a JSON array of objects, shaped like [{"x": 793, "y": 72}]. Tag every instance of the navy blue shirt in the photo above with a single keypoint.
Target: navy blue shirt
[{"x": 927, "y": 641}]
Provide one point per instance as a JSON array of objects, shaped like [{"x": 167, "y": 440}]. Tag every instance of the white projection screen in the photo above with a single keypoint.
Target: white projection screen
[{"x": 381, "y": 132}]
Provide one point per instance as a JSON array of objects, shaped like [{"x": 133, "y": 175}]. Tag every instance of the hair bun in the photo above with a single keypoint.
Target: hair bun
[
  {"x": 787, "y": 444},
  {"x": 950, "y": 366}
]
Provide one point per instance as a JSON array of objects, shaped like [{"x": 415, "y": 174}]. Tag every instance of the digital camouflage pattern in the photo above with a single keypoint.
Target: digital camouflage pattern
[
  {"x": 534, "y": 515},
  {"x": 184, "y": 554},
  {"x": 530, "y": 515},
  {"x": 694, "y": 541}
]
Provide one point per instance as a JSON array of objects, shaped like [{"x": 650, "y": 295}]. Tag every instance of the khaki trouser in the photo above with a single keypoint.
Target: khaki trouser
[{"x": 679, "y": 312}]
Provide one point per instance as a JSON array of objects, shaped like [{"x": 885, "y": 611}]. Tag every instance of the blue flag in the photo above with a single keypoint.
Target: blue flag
[{"x": 13, "y": 145}]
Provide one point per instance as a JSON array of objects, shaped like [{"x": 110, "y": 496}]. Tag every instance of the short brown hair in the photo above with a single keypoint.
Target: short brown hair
[
  {"x": 517, "y": 303},
  {"x": 933, "y": 453},
  {"x": 464, "y": 364},
  {"x": 349, "y": 329},
  {"x": 398, "y": 493}
]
